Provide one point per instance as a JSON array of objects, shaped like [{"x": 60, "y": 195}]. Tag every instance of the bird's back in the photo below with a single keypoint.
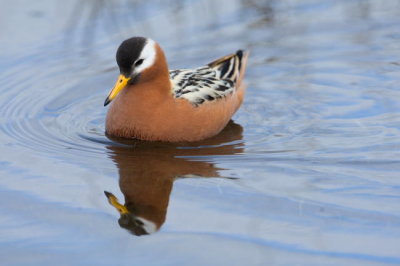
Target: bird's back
[{"x": 219, "y": 79}]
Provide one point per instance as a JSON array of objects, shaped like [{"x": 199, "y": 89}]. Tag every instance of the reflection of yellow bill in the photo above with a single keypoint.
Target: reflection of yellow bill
[
  {"x": 114, "y": 202},
  {"x": 119, "y": 85}
]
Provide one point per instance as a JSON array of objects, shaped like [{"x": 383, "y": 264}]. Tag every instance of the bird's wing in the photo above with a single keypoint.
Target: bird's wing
[
  {"x": 200, "y": 85},
  {"x": 217, "y": 80}
]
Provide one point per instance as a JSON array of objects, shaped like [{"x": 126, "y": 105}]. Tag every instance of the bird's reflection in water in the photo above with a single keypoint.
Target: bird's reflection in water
[{"x": 147, "y": 171}]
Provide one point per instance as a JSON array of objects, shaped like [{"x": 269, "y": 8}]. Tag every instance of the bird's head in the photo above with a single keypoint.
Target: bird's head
[
  {"x": 137, "y": 59},
  {"x": 135, "y": 224}
]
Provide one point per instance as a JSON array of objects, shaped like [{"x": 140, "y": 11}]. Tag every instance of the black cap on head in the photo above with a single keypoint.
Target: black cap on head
[
  {"x": 130, "y": 223},
  {"x": 128, "y": 52}
]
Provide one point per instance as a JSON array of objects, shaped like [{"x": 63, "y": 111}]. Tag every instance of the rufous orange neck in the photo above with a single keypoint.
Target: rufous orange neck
[{"x": 158, "y": 73}]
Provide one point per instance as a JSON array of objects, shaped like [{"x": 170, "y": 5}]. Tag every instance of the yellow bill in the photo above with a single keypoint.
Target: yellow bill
[
  {"x": 114, "y": 202},
  {"x": 119, "y": 85}
]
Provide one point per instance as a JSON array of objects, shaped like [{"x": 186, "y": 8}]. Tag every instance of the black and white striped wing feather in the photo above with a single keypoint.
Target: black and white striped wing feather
[{"x": 200, "y": 85}]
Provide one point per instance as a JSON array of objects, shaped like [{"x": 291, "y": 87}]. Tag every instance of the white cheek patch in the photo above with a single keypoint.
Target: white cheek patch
[
  {"x": 148, "y": 226},
  {"x": 148, "y": 55}
]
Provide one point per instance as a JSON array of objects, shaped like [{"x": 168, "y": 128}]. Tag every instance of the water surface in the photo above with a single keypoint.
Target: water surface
[{"x": 307, "y": 173}]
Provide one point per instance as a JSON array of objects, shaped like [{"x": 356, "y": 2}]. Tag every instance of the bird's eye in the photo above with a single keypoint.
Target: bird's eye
[{"x": 139, "y": 62}]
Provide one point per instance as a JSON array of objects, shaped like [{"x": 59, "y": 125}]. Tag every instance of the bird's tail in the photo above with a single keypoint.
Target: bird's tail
[{"x": 232, "y": 66}]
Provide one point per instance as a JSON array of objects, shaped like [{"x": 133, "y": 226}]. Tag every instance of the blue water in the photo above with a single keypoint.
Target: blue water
[{"x": 307, "y": 174}]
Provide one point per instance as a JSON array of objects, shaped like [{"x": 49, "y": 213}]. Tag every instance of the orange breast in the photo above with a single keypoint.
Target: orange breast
[{"x": 148, "y": 114}]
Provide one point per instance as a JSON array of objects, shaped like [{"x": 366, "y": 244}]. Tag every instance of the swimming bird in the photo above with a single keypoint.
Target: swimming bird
[{"x": 151, "y": 102}]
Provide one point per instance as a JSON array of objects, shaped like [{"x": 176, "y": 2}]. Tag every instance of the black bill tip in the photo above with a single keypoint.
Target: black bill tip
[
  {"x": 108, "y": 194},
  {"x": 107, "y": 101}
]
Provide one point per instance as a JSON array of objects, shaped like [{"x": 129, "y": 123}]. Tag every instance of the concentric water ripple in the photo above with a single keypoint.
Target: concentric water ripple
[
  {"x": 64, "y": 120},
  {"x": 311, "y": 162},
  {"x": 33, "y": 122}
]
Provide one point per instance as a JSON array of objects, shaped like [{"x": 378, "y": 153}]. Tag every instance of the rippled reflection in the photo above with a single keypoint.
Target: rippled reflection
[
  {"x": 147, "y": 171},
  {"x": 318, "y": 173}
]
